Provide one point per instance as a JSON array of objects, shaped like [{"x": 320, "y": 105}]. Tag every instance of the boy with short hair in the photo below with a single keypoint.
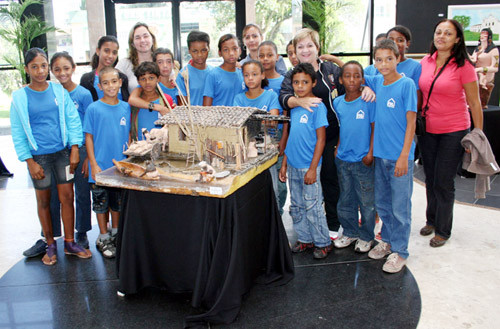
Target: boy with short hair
[
  {"x": 197, "y": 68},
  {"x": 393, "y": 149},
  {"x": 164, "y": 58},
  {"x": 354, "y": 161},
  {"x": 106, "y": 127},
  {"x": 303, "y": 160}
]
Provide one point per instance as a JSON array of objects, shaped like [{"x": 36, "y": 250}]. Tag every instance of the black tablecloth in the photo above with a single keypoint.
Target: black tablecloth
[
  {"x": 491, "y": 128},
  {"x": 214, "y": 248}
]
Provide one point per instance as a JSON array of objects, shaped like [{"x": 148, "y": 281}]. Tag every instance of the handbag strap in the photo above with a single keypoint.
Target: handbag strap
[{"x": 432, "y": 85}]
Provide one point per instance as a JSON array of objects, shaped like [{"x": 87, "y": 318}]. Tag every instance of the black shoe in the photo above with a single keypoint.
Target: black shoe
[
  {"x": 37, "y": 249},
  {"x": 82, "y": 240},
  {"x": 6, "y": 174},
  {"x": 320, "y": 253}
]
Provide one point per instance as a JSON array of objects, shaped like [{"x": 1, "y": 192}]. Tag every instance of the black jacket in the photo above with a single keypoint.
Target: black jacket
[
  {"x": 329, "y": 74},
  {"x": 87, "y": 81}
]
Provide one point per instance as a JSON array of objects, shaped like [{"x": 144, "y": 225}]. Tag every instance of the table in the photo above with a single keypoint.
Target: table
[{"x": 214, "y": 248}]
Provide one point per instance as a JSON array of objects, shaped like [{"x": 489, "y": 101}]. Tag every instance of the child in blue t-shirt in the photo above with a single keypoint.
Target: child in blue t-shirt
[
  {"x": 268, "y": 56},
  {"x": 354, "y": 161},
  {"x": 393, "y": 149},
  {"x": 106, "y": 127},
  {"x": 196, "y": 71},
  {"x": 63, "y": 67},
  {"x": 164, "y": 58},
  {"x": 146, "y": 100},
  {"x": 258, "y": 97},
  {"x": 224, "y": 82},
  {"x": 302, "y": 162}
]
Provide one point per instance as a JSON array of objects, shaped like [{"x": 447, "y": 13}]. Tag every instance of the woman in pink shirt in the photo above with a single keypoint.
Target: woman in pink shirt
[{"x": 448, "y": 121}]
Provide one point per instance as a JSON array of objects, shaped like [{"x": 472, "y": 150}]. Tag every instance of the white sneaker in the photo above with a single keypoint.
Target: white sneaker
[
  {"x": 344, "y": 241},
  {"x": 394, "y": 263},
  {"x": 381, "y": 250},
  {"x": 363, "y": 246},
  {"x": 333, "y": 235}
]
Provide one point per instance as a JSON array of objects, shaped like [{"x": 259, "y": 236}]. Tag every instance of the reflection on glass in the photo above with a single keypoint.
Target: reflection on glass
[
  {"x": 213, "y": 17},
  {"x": 158, "y": 16},
  {"x": 10, "y": 80},
  {"x": 70, "y": 16}
]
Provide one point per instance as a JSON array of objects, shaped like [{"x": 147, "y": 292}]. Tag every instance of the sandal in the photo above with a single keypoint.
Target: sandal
[
  {"x": 437, "y": 241},
  {"x": 50, "y": 257},
  {"x": 427, "y": 230},
  {"x": 72, "y": 248}
]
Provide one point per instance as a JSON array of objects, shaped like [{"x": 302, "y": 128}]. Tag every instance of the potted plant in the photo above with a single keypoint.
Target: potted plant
[{"x": 20, "y": 30}]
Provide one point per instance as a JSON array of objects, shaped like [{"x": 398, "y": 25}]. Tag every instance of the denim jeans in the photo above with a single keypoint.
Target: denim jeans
[
  {"x": 82, "y": 196},
  {"x": 441, "y": 154},
  {"x": 356, "y": 182},
  {"x": 306, "y": 209},
  {"x": 393, "y": 204}
]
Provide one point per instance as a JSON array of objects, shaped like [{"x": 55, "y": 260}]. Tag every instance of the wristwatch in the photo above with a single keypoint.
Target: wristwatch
[{"x": 151, "y": 106}]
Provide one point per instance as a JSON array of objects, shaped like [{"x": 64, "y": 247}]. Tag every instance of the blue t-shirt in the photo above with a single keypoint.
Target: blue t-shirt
[
  {"x": 393, "y": 101},
  {"x": 146, "y": 119},
  {"x": 196, "y": 83},
  {"x": 355, "y": 130},
  {"x": 267, "y": 101},
  {"x": 99, "y": 92},
  {"x": 82, "y": 98},
  {"x": 302, "y": 139},
  {"x": 222, "y": 86},
  {"x": 109, "y": 126},
  {"x": 275, "y": 84},
  {"x": 172, "y": 92},
  {"x": 409, "y": 68},
  {"x": 43, "y": 112}
]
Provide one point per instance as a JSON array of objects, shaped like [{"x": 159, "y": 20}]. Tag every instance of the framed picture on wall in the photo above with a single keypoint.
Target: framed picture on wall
[{"x": 474, "y": 18}]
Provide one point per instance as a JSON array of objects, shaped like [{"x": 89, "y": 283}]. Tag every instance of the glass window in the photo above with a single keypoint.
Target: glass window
[
  {"x": 384, "y": 16},
  {"x": 70, "y": 17},
  {"x": 158, "y": 16},
  {"x": 213, "y": 17}
]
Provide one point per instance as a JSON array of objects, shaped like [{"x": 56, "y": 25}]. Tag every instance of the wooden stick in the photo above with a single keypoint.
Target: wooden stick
[{"x": 216, "y": 154}]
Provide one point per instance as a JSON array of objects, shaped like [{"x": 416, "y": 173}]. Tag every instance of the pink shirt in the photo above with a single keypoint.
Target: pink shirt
[{"x": 448, "y": 110}]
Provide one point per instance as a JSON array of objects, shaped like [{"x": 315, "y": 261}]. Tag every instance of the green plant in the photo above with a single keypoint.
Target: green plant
[{"x": 20, "y": 30}]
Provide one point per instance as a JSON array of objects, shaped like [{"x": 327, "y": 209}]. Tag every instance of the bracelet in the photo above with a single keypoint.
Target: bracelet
[
  {"x": 485, "y": 69},
  {"x": 151, "y": 106}
]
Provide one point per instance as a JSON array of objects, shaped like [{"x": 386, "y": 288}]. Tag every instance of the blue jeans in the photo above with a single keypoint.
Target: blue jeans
[
  {"x": 356, "y": 182},
  {"x": 82, "y": 196},
  {"x": 306, "y": 209},
  {"x": 393, "y": 204}
]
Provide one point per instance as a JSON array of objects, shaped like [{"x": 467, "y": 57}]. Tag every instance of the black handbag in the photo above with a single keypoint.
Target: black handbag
[{"x": 420, "y": 127}]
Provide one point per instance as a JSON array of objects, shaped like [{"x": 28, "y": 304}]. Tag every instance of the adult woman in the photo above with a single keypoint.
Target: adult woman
[
  {"x": 141, "y": 45},
  {"x": 252, "y": 38},
  {"x": 44, "y": 122},
  {"x": 485, "y": 57},
  {"x": 306, "y": 44},
  {"x": 447, "y": 122}
]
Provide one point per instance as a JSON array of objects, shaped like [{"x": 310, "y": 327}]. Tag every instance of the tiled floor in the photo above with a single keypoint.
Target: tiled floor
[{"x": 458, "y": 283}]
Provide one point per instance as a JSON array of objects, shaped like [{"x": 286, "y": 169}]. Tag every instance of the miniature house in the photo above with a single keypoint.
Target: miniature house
[{"x": 211, "y": 131}]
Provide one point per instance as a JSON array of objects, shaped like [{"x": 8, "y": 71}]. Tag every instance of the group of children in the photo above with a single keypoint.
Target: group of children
[{"x": 373, "y": 155}]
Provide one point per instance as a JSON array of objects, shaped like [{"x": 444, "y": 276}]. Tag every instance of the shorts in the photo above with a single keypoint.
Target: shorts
[
  {"x": 104, "y": 199},
  {"x": 54, "y": 167}
]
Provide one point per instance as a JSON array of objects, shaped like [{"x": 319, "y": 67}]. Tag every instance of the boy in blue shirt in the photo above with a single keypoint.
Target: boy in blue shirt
[
  {"x": 354, "y": 161},
  {"x": 106, "y": 127},
  {"x": 302, "y": 157},
  {"x": 393, "y": 149},
  {"x": 197, "y": 68}
]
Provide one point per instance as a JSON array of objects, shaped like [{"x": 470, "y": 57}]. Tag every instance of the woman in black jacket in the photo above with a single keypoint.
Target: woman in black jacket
[
  {"x": 106, "y": 54},
  {"x": 306, "y": 44}
]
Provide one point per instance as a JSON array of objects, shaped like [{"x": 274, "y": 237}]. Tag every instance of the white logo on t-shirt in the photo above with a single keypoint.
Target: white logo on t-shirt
[
  {"x": 243, "y": 86},
  {"x": 402, "y": 73},
  {"x": 304, "y": 118},
  {"x": 264, "y": 107},
  {"x": 76, "y": 104},
  {"x": 391, "y": 103},
  {"x": 360, "y": 115},
  {"x": 55, "y": 101},
  {"x": 123, "y": 121}
]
